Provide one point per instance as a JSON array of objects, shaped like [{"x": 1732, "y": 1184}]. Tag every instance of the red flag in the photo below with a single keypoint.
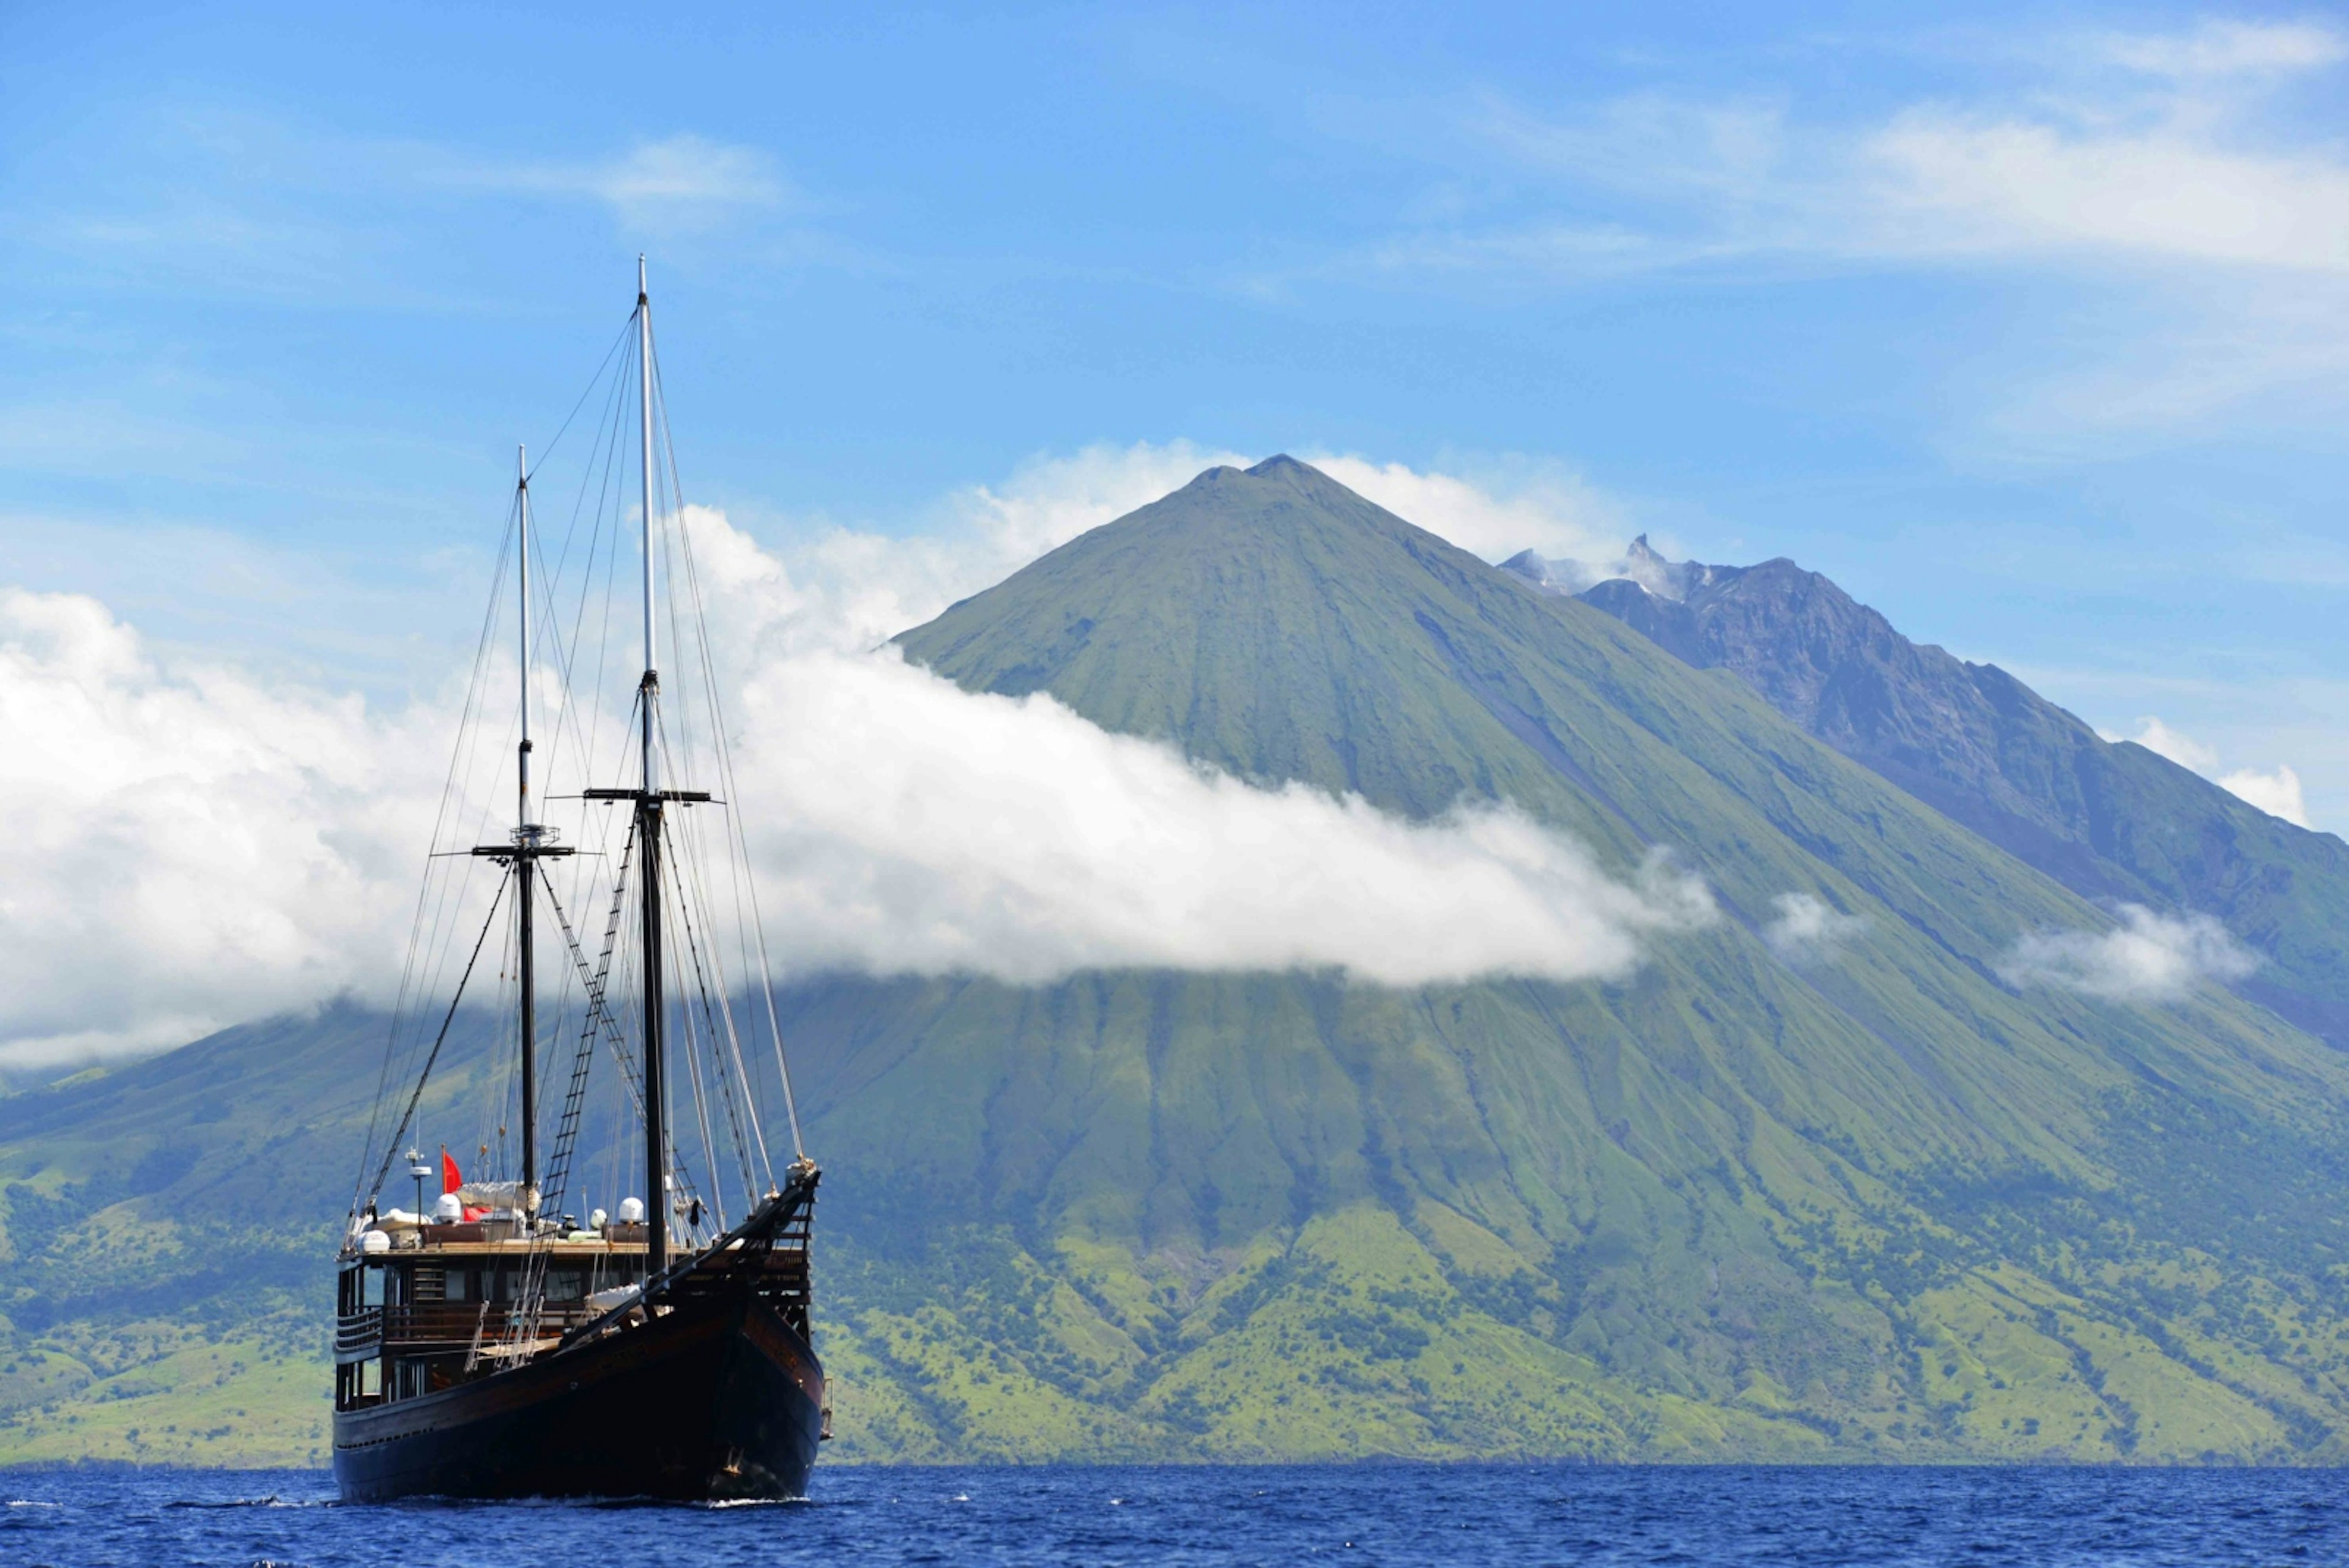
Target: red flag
[{"x": 450, "y": 1179}]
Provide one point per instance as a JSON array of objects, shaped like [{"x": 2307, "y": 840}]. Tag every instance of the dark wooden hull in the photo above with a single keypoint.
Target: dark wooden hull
[{"x": 719, "y": 1399}]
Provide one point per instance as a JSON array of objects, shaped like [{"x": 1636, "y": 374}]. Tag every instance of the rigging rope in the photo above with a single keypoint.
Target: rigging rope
[
  {"x": 705, "y": 1009},
  {"x": 598, "y": 1018},
  {"x": 729, "y": 784},
  {"x": 722, "y": 1015},
  {"x": 410, "y": 983},
  {"x": 450, "y": 1017},
  {"x": 630, "y": 1077},
  {"x": 522, "y": 1325}
]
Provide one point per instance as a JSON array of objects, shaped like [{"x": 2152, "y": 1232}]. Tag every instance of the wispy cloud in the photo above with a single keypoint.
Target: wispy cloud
[
  {"x": 859, "y": 585},
  {"x": 1493, "y": 509},
  {"x": 1942, "y": 181},
  {"x": 851, "y": 587},
  {"x": 1807, "y": 929},
  {"x": 2165, "y": 742},
  {"x": 679, "y": 180},
  {"x": 2277, "y": 794},
  {"x": 2219, "y": 47},
  {"x": 2256, "y": 713},
  {"x": 2156, "y": 172},
  {"x": 2143, "y": 166},
  {"x": 245, "y": 204},
  {"x": 2147, "y": 958}
]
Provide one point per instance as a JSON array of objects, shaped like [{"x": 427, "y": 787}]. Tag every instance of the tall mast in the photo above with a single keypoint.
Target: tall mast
[
  {"x": 648, "y": 831},
  {"x": 526, "y": 835},
  {"x": 645, "y": 429}
]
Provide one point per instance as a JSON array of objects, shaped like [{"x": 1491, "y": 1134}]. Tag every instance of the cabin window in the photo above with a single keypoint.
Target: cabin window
[
  {"x": 461, "y": 1286},
  {"x": 564, "y": 1285},
  {"x": 371, "y": 1287}
]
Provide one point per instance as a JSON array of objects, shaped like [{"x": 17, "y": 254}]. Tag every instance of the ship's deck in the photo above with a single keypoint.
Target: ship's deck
[
  {"x": 496, "y": 1235},
  {"x": 446, "y": 1302}
]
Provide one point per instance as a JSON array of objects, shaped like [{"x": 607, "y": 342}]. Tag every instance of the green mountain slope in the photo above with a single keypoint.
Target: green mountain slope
[
  {"x": 166, "y": 1233},
  {"x": 1815, "y": 1125},
  {"x": 1873, "y": 1202},
  {"x": 2108, "y": 819}
]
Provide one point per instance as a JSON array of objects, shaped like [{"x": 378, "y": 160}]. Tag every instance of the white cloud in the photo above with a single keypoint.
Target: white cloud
[
  {"x": 658, "y": 181},
  {"x": 1546, "y": 508},
  {"x": 2277, "y": 793},
  {"x": 2223, "y": 48},
  {"x": 2149, "y": 168},
  {"x": 2167, "y": 177},
  {"x": 2164, "y": 741},
  {"x": 236, "y": 203},
  {"x": 1986, "y": 183},
  {"x": 1810, "y": 929},
  {"x": 187, "y": 849},
  {"x": 680, "y": 181},
  {"x": 1493, "y": 509},
  {"x": 917, "y": 828},
  {"x": 1049, "y": 501},
  {"x": 195, "y": 845},
  {"x": 852, "y": 589},
  {"x": 2147, "y": 958}
]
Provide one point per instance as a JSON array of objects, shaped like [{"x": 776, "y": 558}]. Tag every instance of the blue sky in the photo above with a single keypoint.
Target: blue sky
[{"x": 2032, "y": 330}]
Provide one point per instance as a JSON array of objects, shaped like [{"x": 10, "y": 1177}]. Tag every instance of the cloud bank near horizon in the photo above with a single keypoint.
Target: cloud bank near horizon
[{"x": 203, "y": 844}]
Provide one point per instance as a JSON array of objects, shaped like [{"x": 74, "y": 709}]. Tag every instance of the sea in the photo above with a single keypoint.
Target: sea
[{"x": 1409, "y": 1516}]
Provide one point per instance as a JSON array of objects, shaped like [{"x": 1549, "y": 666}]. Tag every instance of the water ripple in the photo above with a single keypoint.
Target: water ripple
[{"x": 1423, "y": 1516}]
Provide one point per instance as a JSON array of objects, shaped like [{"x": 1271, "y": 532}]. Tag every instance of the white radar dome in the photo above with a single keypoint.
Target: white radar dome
[
  {"x": 375, "y": 1242},
  {"x": 450, "y": 1209},
  {"x": 632, "y": 1211}
]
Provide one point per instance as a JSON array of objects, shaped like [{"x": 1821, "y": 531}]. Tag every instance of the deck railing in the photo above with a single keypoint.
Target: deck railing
[
  {"x": 369, "y": 1332},
  {"x": 357, "y": 1332},
  {"x": 462, "y": 1322}
]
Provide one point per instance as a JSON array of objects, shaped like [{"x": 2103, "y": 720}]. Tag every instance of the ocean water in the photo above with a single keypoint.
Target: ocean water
[{"x": 1422, "y": 1516}]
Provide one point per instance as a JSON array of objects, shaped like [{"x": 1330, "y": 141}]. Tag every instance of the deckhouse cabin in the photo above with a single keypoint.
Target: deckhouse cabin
[{"x": 425, "y": 1306}]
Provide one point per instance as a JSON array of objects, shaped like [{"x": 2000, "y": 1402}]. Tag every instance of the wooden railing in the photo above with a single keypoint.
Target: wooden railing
[
  {"x": 439, "y": 1326},
  {"x": 356, "y": 1333},
  {"x": 459, "y": 1322},
  {"x": 442, "y": 1326}
]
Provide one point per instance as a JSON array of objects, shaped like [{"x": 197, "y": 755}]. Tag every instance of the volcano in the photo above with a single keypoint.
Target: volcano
[{"x": 1829, "y": 1178}]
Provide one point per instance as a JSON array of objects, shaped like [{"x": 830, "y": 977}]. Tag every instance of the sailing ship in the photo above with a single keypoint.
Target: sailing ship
[{"x": 495, "y": 1345}]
